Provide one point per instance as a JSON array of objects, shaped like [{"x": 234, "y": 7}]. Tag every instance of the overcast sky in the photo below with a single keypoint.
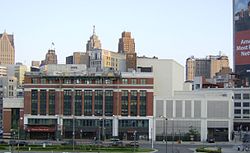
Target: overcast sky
[{"x": 168, "y": 29}]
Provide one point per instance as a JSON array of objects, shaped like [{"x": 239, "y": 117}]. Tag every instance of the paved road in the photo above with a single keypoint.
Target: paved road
[{"x": 190, "y": 148}]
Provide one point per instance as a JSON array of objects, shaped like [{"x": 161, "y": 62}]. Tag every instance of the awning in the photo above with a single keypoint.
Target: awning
[{"x": 40, "y": 129}]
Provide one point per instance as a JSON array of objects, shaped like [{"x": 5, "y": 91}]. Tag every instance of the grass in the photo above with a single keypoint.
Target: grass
[{"x": 78, "y": 148}]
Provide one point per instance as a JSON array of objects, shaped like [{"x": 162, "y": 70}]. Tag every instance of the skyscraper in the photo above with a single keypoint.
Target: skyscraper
[
  {"x": 126, "y": 43},
  {"x": 7, "y": 49},
  {"x": 127, "y": 46},
  {"x": 50, "y": 58},
  {"x": 93, "y": 42}
]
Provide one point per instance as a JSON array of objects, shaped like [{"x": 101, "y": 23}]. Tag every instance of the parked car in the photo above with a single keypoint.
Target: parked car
[
  {"x": 70, "y": 142},
  {"x": 133, "y": 144},
  {"x": 12, "y": 142},
  {"x": 246, "y": 138},
  {"x": 116, "y": 142},
  {"x": 22, "y": 143},
  {"x": 3, "y": 142},
  {"x": 211, "y": 140},
  {"x": 97, "y": 142}
]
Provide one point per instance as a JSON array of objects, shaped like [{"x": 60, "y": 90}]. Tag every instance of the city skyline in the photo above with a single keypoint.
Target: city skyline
[{"x": 166, "y": 29}]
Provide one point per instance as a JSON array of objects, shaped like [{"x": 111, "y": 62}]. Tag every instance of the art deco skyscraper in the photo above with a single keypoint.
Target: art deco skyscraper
[
  {"x": 127, "y": 46},
  {"x": 7, "y": 49},
  {"x": 126, "y": 43},
  {"x": 50, "y": 58},
  {"x": 93, "y": 42}
]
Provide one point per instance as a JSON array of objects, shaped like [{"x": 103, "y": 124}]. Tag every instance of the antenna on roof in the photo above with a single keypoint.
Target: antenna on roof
[
  {"x": 93, "y": 29},
  {"x": 52, "y": 45}
]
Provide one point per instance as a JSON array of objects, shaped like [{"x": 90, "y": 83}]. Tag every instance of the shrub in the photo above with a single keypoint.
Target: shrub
[{"x": 209, "y": 150}]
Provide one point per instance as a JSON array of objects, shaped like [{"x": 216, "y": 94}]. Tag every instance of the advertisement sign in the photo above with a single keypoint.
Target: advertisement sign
[{"x": 241, "y": 32}]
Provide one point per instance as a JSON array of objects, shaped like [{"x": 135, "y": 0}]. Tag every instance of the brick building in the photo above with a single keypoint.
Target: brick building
[{"x": 51, "y": 112}]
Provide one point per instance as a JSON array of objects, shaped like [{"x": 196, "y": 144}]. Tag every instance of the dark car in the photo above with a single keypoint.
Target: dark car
[
  {"x": 70, "y": 142},
  {"x": 211, "y": 140},
  {"x": 97, "y": 142},
  {"x": 246, "y": 138},
  {"x": 22, "y": 143},
  {"x": 3, "y": 142},
  {"x": 116, "y": 142},
  {"x": 133, "y": 144},
  {"x": 12, "y": 142}
]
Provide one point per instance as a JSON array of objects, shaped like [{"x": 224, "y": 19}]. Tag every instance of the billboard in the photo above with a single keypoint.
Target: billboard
[{"x": 241, "y": 34}]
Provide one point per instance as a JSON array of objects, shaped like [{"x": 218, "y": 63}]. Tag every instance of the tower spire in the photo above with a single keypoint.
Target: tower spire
[{"x": 93, "y": 29}]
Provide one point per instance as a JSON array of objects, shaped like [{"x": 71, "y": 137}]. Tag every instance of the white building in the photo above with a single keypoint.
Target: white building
[
  {"x": 209, "y": 111},
  {"x": 168, "y": 75}
]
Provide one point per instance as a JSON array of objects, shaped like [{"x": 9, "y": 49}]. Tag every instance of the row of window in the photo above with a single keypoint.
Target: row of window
[
  {"x": 85, "y": 81},
  {"x": 245, "y": 104},
  {"x": 88, "y": 122},
  {"x": 91, "y": 123},
  {"x": 99, "y": 99},
  {"x": 239, "y": 96},
  {"x": 245, "y": 111}
]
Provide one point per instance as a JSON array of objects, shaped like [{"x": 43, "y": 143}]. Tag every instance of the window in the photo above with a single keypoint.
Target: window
[
  {"x": 88, "y": 102},
  {"x": 67, "y": 102},
  {"x": 133, "y": 81},
  {"x": 43, "y": 100},
  {"x": 34, "y": 101},
  {"x": 43, "y": 81},
  {"x": 98, "y": 81},
  {"x": 78, "y": 102},
  {"x": 237, "y": 111},
  {"x": 67, "y": 81},
  {"x": 87, "y": 81},
  {"x": 246, "y": 104},
  {"x": 98, "y": 102},
  {"x": 108, "y": 103},
  {"x": 34, "y": 81},
  {"x": 143, "y": 103},
  {"x": 133, "y": 103},
  {"x": 124, "y": 101},
  {"x": 246, "y": 96},
  {"x": 246, "y": 111},
  {"x": 237, "y": 96},
  {"x": 77, "y": 81},
  {"x": 237, "y": 104},
  {"x": 52, "y": 99},
  {"x": 124, "y": 81},
  {"x": 143, "y": 81}
]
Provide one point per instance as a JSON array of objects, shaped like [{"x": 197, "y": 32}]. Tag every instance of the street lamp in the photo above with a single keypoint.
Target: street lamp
[
  {"x": 172, "y": 135},
  {"x": 165, "y": 129},
  {"x": 134, "y": 139},
  {"x": 18, "y": 136},
  {"x": 99, "y": 135}
]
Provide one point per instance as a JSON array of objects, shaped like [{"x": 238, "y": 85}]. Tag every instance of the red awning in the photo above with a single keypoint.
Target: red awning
[{"x": 41, "y": 129}]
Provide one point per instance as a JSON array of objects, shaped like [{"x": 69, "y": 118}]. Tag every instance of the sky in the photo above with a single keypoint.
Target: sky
[{"x": 167, "y": 29}]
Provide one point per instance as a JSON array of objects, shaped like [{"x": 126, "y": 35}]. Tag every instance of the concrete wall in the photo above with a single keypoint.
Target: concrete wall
[{"x": 168, "y": 75}]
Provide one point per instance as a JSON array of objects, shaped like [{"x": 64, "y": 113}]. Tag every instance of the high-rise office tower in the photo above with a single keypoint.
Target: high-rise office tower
[
  {"x": 7, "y": 49},
  {"x": 206, "y": 67},
  {"x": 50, "y": 58},
  {"x": 126, "y": 43},
  {"x": 127, "y": 46},
  {"x": 93, "y": 42},
  {"x": 20, "y": 70}
]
